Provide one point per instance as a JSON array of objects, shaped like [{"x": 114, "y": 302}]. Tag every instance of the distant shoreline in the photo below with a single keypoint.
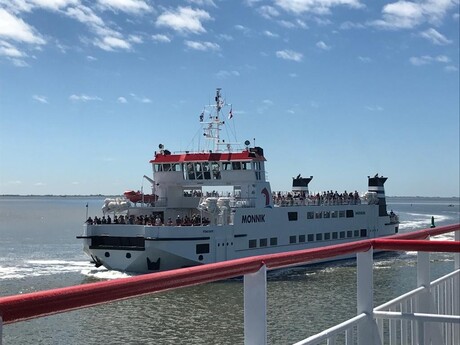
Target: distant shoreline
[{"x": 115, "y": 196}]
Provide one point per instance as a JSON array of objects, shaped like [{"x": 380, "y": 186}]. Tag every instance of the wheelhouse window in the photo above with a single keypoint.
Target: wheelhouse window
[
  {"x": 363, "y": 232},
  {"x": 350, "y": 214},
  {"x": 246, "y": 165},
  {"x": 301, "y": 238},
  {"x": 310, "y": 215},
  {"x": 292, "y": 239},
  {"x": 226, "y": 166},
  {"x": 274, "y": 241},
  {"x": 252, "y": 243},
  {"x": 263, "y": 242},
  {"x": 310, "y": 237},
  {"x": 319, "y": 237},
  {"x": 236, "y": 166},
  {"x": 215, "y": 168}
]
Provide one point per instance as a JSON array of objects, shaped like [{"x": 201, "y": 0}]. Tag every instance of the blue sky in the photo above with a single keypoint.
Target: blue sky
[{"x": 337, "y": 89}]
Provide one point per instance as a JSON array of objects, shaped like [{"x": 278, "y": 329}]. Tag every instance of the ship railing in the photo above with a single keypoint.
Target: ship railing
[
  {"x": 362, "y": 329},
  {"x": 287, "y": 199},
  {"x": 432, "y": 311}
]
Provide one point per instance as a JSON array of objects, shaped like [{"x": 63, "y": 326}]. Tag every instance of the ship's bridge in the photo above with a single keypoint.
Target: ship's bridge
[{"x": 210, "y": 168}]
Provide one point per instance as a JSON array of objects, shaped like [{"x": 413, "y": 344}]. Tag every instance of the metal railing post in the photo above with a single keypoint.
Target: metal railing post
[
  {"x": 457, "y": 255},
  {"x": 367, "y": 329},
  {"x": 255, "y": 307},
  {"x": 423, "y": 300},
  {"x": 456, "y": 290}
]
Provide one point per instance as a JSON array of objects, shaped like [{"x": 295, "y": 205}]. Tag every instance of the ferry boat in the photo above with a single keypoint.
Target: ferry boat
[{"x": 216, "y": 204}]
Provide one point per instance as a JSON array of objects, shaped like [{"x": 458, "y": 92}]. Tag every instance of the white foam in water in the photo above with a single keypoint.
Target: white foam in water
[
  {"x": 37, "y": 268},
  {"x": 421, "y": 221},
  {"x": 103, "y": 273}
]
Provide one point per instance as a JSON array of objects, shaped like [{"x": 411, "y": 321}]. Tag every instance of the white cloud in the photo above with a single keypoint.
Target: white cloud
[
  {"x": 14, "y": 28},
  {"x": 140, "y": 99},
  {"x": 400, "y": 15},
  {"x": 135, "y": 39},
  {"x": 110, "y": 43},
  {"x": 203, "y": 2},
  {"x": 315, "y": 6},
  {"x": 84, "y": 98},
  {"x": 184, "y": 20},
  {"x": 427, "y": 59},
  {"x": 226, "y": 74},
  {"x": 53, "y": 5},
  {"x": 84, "y": 15},
  {"x": 266, "y": 104},
  {"x": 9, "y": 50},
  {"x": 435, "y": 37},
  {"x": 128, "y": 6},
  {"x": 91, "y": 58},
  {"x": 40, "y": 99},
  {"x": 407, "y": 15},
  {"x": 268, "y": 12},
  {"x": 122, "y": 100},
  {"x": 289, "y": 55},
  {"x": 322, "y": 45},
  {"x": 18, "y": 62},
  {"x": 374, "y": 108},
  {"x": 364, "y": 59},
  {"x": 161, "y": 38},
  {"x": 203, "y": 46},
  {"x": 350, "y": 25},
  {"x": 270, "y": 34},
  {"x": 451, "y": 68}
]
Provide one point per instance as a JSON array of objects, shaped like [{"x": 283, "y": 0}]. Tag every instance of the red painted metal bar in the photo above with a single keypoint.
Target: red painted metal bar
[
  {"x": 417, "y": 245},
  {"x": 42, "y": 303}
]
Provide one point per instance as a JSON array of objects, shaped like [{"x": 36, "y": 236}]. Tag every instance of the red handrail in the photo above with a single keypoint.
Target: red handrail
[{"x": 36, "y": 304}]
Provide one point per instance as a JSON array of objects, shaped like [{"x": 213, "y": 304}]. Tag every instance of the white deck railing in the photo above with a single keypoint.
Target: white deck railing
[{"x": 427, "y": 315}]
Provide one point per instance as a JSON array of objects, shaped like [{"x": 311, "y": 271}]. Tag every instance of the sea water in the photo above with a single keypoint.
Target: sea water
[{"x": 39, "y": 250}]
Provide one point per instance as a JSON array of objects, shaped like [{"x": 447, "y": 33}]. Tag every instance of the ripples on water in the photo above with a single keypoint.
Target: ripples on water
[{"x": 39, "y": 251}]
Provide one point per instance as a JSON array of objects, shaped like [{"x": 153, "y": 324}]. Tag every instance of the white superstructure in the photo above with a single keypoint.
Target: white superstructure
[{"x": 216, "y": 204}]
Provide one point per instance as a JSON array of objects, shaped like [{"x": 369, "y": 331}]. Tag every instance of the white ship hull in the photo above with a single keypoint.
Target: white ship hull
[{"x": 170, "y": 247}]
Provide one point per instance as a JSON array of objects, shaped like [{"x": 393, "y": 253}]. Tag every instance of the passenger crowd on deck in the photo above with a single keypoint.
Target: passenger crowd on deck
[
  {"x": 325, "y": 198},
  {"x": 148, "y": 220}
]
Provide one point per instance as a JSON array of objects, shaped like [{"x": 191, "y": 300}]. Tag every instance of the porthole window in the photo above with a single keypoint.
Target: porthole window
[
  {"x": 128, "y": 255},
  {"x": 107, "y": 254}
]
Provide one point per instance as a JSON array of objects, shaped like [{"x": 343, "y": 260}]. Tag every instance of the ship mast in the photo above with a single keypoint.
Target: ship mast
[{"x": 212, "y": 127}]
